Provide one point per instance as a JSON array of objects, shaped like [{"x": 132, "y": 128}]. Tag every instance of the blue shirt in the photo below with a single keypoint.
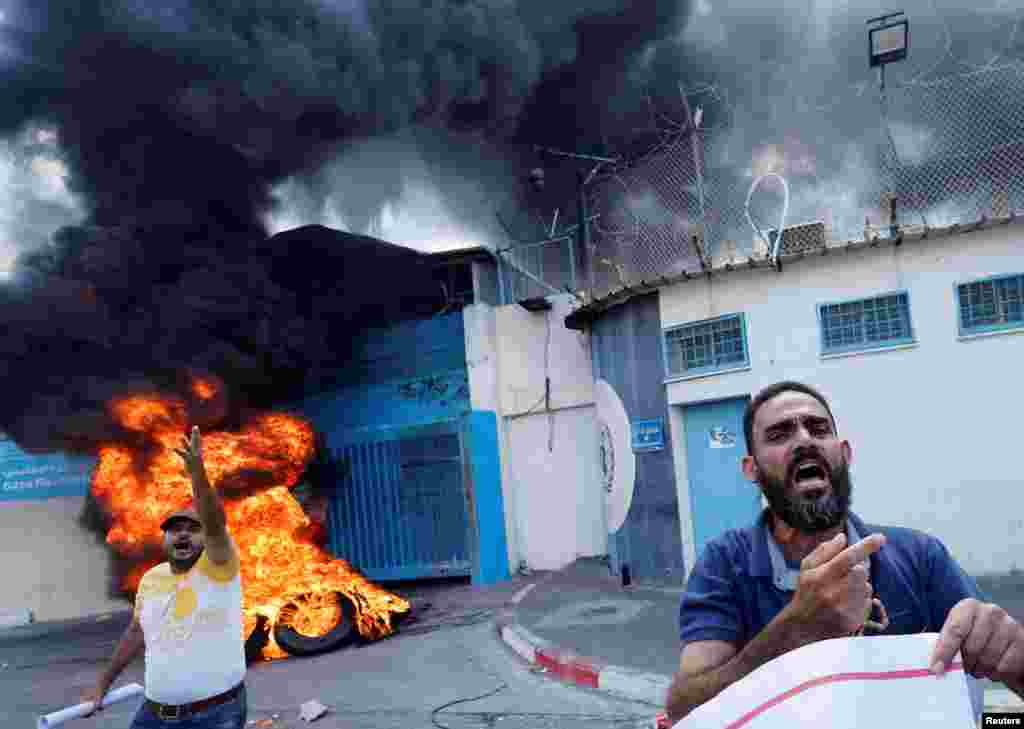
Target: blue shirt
[{"x": 735, "y": 590}]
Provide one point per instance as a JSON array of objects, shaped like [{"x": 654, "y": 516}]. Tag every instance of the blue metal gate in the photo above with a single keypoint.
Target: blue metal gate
[
  {"x": 721, "y": 498},
  {"x": 401, "y": 513}
]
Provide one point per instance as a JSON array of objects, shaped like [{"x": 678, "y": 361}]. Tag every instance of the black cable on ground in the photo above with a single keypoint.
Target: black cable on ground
[{"x": 433, "y": 714}]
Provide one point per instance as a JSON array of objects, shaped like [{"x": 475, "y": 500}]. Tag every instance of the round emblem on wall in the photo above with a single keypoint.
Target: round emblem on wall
[
  {"x": 616, "y": 459},
  {"x": 607, "y": 457}
]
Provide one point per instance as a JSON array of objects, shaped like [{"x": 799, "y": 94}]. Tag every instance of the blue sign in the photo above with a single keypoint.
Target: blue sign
[
  {"x": 648, "y": 435},
  {"x": 28, "y": 477}
]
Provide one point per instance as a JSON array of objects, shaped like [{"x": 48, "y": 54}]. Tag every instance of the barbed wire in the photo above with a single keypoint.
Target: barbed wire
[{"x": 950, "y": 149}]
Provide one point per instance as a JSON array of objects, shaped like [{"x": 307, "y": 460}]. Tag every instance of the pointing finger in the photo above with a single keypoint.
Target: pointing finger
[
  {"x": 824, "y": 552},
  {"x": 854, "y": 555}
]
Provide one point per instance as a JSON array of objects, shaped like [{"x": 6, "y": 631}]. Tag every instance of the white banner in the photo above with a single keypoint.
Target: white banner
[{"x": 846, "y": 683}]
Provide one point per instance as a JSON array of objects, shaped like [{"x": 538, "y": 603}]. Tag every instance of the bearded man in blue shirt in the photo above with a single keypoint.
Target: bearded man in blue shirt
[{"x": 809, "y": 569}]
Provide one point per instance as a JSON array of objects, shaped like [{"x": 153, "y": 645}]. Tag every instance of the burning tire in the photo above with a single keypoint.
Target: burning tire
[{"x": 300, "y": 627}]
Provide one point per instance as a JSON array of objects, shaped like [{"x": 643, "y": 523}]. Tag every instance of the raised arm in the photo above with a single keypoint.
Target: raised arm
[{"x": 207, "y": 501}]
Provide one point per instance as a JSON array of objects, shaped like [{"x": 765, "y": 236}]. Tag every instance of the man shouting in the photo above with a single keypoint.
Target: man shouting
[
  {"x": 809, "y": 569},
  {"x": 188, "y": 617}
]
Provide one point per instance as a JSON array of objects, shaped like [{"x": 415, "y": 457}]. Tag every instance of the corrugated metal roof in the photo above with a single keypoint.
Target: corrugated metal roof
[{"x": 907, "y": 234}]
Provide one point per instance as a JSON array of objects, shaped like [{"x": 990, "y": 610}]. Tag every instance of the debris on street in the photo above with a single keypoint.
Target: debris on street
[{"x": 312, "y": 710}]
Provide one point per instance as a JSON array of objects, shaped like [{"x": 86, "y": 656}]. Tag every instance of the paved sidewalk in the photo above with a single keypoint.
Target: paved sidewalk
[{"x": 581, "y": 625}]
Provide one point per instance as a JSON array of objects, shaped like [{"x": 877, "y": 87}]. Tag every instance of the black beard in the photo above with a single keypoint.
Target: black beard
[
  {"x": 184, "y": 565},
  {"x": 806, "y": 515}
]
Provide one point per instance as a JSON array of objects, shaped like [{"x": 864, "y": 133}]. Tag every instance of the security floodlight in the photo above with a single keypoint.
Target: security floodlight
[{"x": 888, "y": 39}]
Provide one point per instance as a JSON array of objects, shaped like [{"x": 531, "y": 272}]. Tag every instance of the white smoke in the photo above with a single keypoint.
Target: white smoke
[
  {"x": 414, "y": 213},
  {"x": 35, "y": 198}
]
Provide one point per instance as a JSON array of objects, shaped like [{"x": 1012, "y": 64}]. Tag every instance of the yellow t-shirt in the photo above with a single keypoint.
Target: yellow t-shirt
[{"x": 192, "y": 624}]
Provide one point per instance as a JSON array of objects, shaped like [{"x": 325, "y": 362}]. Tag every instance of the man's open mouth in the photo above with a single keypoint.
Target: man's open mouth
[{"x": 811, "y": 479}]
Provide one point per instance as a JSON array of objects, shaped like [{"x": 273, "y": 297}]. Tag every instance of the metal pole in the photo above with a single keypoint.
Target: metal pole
[
  {"x": 572, "y": 264},
  {"x": 573, "y": 155},
  {"x": 695, "y": 145},
  {"x": 584, "y": 230},
  {"x": 501, "y": 281},
  {"x": 518, "y": 269}
]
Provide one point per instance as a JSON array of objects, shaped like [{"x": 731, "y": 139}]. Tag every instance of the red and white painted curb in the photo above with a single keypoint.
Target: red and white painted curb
[
  {"x": 569, "y": 666},
  {"x": 650, "y": 688}
]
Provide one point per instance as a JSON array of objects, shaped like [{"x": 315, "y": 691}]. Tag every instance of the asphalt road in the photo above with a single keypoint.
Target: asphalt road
[{"x": 452, "y": 673}]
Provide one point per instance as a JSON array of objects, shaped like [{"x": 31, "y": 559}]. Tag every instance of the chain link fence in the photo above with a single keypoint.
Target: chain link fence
[
  {"x": 950, "y": 151},
  {"x": 955, "y": 147}
]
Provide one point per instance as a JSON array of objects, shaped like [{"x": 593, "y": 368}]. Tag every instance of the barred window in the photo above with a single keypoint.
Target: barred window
[
  {"x": 851, "y": 326},
  {"x": 707, "y": 346},
  {"x": 991, "y": 304}
]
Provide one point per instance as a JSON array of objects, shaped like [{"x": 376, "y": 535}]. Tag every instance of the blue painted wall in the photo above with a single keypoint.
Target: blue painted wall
[
  {"x": 31, "y": 477},
  {"x": 414, "y": 374},
  {"x": 491, "y": 563},
  {"x": 626, "y": 347}
]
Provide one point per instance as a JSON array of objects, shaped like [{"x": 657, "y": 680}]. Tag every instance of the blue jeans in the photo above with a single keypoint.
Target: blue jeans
[{"x": 229, "y": 715}]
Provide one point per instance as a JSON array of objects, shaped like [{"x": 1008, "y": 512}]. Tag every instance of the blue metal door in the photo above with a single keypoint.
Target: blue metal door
[
  {"x": 721, "y": 497},
  {"x": 401, "y": 513}
]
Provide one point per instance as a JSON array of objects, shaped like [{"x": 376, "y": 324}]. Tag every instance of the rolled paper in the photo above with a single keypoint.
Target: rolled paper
[{"x": 77, "y": 711}]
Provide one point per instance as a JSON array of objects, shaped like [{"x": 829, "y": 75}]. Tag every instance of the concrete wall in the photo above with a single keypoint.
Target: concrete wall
[
  {"x": 535, "y": 345},
  {"x": 554, "y": 503},
  {"x": 483, "y": 365},
  {"x": 560, "y": 513},
  {"x": 935, "y": 426},
  {"x": 52, "y": 566}
]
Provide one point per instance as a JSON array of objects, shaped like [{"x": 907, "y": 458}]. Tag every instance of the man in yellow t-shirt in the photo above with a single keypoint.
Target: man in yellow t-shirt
[{"x": 188, "y": 616}]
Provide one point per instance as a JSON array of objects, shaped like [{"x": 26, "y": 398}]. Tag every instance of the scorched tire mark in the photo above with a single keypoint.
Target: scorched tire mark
[{"x": 342, "y": 634}]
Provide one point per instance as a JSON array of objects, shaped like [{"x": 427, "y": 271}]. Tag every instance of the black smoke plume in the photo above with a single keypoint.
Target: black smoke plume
[{"x": 179, "y": 122}]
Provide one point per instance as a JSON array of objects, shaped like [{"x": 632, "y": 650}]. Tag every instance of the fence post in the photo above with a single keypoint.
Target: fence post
[
  {"x": 584, "y": 229},
  {"x": 888, "y": 212},
  {"x": 1000, "y": 203}
]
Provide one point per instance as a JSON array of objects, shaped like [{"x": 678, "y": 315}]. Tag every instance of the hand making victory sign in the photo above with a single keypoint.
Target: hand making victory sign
[
  {"x": 192, "y": 451},
  {"x": 207, "y": 501}
]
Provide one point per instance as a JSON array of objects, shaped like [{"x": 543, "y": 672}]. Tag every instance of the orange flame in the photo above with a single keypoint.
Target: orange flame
[
  {"x": 203, "y": 389},
  {"x": 282, "y": 561}
]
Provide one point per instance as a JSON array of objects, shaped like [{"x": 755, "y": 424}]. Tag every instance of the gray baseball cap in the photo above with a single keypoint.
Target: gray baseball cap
[{"x": 189, "y": 513}]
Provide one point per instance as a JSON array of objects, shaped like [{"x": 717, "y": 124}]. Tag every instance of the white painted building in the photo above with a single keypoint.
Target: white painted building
[
  {"x": 933, "y": 413},
  {"x": 930, "y": 408}
]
